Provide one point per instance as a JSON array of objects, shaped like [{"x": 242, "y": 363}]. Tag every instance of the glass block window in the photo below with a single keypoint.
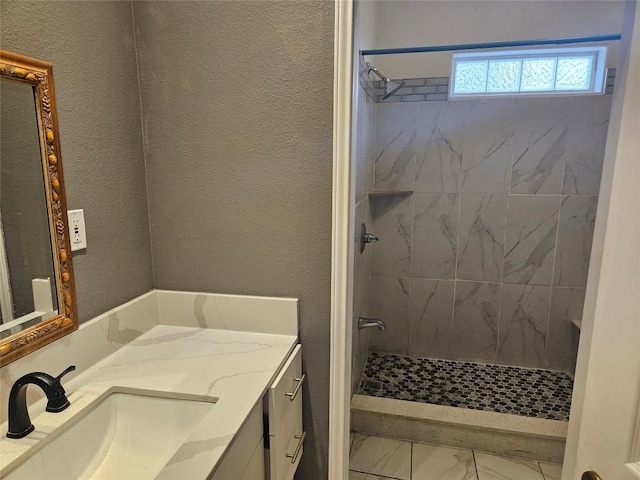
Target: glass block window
[{"x": 526, "y": 72}]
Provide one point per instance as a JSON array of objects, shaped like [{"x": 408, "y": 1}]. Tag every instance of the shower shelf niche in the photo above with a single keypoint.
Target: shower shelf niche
[{"x": 390, "y": 193}]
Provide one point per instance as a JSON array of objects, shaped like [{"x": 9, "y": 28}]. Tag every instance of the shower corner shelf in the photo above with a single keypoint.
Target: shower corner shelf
[
  {"x": 577, "y": 324},
  {"x": 390, "y": 193}
]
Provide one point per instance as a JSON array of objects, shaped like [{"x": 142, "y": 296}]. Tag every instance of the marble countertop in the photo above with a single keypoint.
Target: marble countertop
[{"x": 236, "y": 367}]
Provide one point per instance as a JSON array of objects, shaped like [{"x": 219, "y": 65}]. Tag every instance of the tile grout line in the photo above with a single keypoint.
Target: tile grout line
[
  {"x": 504, "y": 194},
  {"x": 451, "y": 325},
  {"x": 411, "y": 463},
  {"x": 374, "y": 474},
  {"x": 455, "y": 271},
  {"x": 475, "y": 464},
  {"x": 493, "y": 282},
  {"x": 413, "y": 226},
  {"x": 506, "y": 223},
  {"x": 553, "y": 273},
  {"x": 540, "y": 469},
  {"x": 502, "y": 267}
]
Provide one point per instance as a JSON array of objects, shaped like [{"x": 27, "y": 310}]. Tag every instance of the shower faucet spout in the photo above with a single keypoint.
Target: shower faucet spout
[{"x": 371, "y": 323}]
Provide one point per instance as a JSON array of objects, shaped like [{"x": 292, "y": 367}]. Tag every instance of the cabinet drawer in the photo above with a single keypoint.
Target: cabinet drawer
[
  {"x": 285, "y": 390},
  {"x": 287, "y": 444}
]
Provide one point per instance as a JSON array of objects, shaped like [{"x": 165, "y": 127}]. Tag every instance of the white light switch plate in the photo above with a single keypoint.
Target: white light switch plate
[{"x": 77, "y": 230}]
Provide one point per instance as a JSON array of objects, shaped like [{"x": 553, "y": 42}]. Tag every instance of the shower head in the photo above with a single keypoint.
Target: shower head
[{"x": 390, "y": 86}]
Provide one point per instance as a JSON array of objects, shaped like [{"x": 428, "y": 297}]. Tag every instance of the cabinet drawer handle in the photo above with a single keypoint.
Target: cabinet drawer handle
[
  {"x": 294, "y": 456},
  {"x": 292, "y": 396}
]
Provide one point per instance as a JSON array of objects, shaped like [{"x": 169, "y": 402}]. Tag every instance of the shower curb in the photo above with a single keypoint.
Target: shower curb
[{"x": 499, "y": 433}]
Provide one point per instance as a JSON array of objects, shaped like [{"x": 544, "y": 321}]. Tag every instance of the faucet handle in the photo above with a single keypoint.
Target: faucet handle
[
  {"x": 59, "y": 401},
  {"x": 67, "y": 370}
]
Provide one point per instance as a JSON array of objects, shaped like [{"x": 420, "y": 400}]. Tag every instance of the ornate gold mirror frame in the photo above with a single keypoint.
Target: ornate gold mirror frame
[{"x": 39, "y": 74}]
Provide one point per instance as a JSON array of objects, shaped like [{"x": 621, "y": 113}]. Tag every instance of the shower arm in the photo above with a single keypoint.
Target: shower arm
[{"x": 373, "y": 69}]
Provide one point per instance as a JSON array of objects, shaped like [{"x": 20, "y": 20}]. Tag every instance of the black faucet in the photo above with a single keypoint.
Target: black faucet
[{"x": 19, "y": 421}]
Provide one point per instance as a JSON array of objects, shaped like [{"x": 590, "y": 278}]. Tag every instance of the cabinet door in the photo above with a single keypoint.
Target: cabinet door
[
  {"x": 255, "y": 468},
  {"x": 241, "y": 452}
]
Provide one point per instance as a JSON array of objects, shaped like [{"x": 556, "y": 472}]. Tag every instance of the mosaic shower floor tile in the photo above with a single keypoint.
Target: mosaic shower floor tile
[{"x": 496, "y": 388}]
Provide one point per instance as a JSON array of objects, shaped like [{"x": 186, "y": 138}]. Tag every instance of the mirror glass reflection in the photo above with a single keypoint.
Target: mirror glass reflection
[{"x": 27, "y": 278}]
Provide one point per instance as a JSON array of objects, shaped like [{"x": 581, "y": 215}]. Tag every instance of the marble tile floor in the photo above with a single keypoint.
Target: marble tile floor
[
  {"x": 503, "y": 389},
  {"x": 378, "y": 458}
]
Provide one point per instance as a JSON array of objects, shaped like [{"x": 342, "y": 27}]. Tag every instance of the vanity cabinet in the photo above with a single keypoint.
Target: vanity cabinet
[{"x": 270, "y": 444}]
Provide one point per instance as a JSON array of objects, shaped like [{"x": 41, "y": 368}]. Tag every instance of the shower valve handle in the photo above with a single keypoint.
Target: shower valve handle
[
  {"x": 366, "y": 237},
  {"x": 369, "y": 238}
]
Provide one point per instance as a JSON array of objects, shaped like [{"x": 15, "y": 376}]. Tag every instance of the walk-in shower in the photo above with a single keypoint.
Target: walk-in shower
[{"x": 484, "y": 208}]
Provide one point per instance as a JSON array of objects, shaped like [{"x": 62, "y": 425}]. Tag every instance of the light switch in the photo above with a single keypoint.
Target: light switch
[{"x": 77, "y": 230}]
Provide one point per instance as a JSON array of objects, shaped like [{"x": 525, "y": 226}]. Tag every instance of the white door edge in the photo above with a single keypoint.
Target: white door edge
[
  {"x": 634, "y": 458},
  {"x": 604, "y": 429},
  {"x": 341, "y": 301}
]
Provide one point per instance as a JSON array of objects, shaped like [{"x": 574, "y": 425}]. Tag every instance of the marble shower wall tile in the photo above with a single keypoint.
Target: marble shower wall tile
[
  {"x": 530, "y": 239},
  {"x": 588, "y": 126},
  {"x": 370, "y": 121},
  {"x": 435, "y": 234},
  {"x": 362, "y": 261},
  {"x": 439, "y": 147},
  {"x": 562, "y": 340},
  {"x": 481, "y": 237},
  {"x": 358, "y": 166},
  {"x": 430, "y": 316},
  {"x": 389, "y": 302},
  {"x": 474, "y": 334},
  {"x": 540, "y": 142},
  {"x": 505, "y": 191},
  {"x": 487, "y": 152},
  {"x": 363, "y": 170},
  {"x": 524, "y": 316},
  {"x": 395, "y": 152},
  {"x": 365, "y": 136},
  {"x": 392, "y": 224},
  {"x": 577, "y": 221},
  {"x": 359, "y": 351}
]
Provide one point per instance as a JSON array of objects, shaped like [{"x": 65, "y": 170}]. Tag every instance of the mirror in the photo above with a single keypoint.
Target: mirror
[
  {"x": 36, "y": 275},
  {"x": 27, "y": 295}
]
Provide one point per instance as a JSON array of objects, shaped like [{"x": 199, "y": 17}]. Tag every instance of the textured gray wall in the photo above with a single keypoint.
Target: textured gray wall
[
  {"x": 237, "y": 108},
  {"x": 91, "y": 46}
]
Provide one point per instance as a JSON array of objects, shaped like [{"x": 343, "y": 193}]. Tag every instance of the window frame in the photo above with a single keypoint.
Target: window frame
[{"x": 597, "y": 81}]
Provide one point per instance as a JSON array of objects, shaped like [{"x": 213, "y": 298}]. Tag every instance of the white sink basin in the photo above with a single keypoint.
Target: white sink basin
[{"x": 128, "y": 434}]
